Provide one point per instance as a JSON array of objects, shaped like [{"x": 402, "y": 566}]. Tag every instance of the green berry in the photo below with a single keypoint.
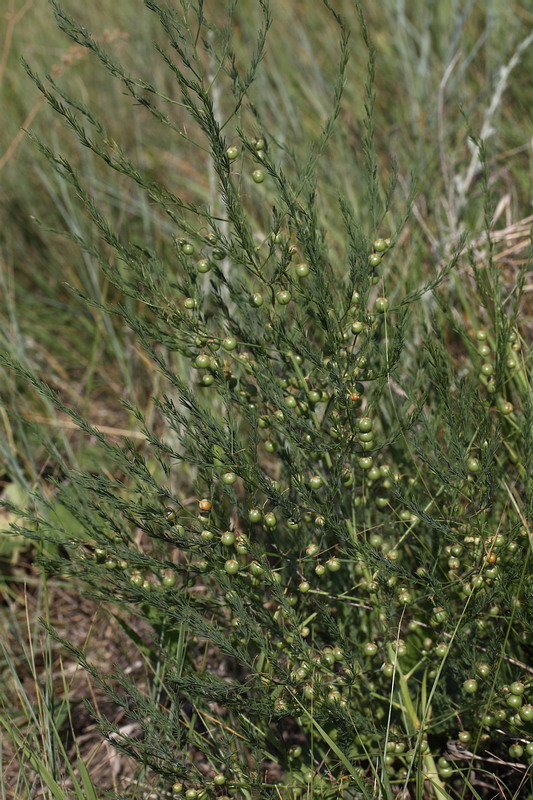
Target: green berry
[
  {"x": 283, "y": 297},
  {"x": 514, "y": 701},
  {"x": 504, "y": 407},
  {"x": 231, "y": 566},
  {"x": 270, "y": 520},
  {"x": 470, "y": 686},
  {"x": 381, "y": 305},
  {"x": 364, "y": 424},
  {"x": 333, "y": 565},
  {"x": 229, "y": 343},
  {"x": 255, "y": 515},
  {"x": 380, "y": 245},
  {"x": 232, "y": 153},
  {"x": 315, "y": 482},
  {"x": 302, "y": 270},
  {"x": 203, "y": 266},
  {"x": 202, "y": 361},
  {"x": 374, "y": 260},
  {"x": 258, "y": 176},
  {"x": 228, "y": 478},
  {"x": 256, "y": 300},
  {"x": 516, "y": 751},
  {"x": 227, "y": 538}
]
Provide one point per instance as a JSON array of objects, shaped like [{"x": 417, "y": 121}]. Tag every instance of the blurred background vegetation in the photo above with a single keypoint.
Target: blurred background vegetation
[{"x": 444, "y": 70}]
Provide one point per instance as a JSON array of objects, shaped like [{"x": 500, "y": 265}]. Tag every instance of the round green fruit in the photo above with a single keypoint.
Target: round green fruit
[
  {"x": 270, "y": 520},
  {"x": 229, "y": 343},
  {"x": 255, "y": 515},
  {"x": 516, "y": 751},
  {"x": 283, "y": 297},
  {"x": 203, "y": 266},
  {"x": 256, "y": 300}
]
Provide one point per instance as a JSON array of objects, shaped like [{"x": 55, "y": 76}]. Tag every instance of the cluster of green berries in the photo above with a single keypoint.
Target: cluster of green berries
[
  {"x": 487, "y": 368},
  {"x": 259, "y": 145}
]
